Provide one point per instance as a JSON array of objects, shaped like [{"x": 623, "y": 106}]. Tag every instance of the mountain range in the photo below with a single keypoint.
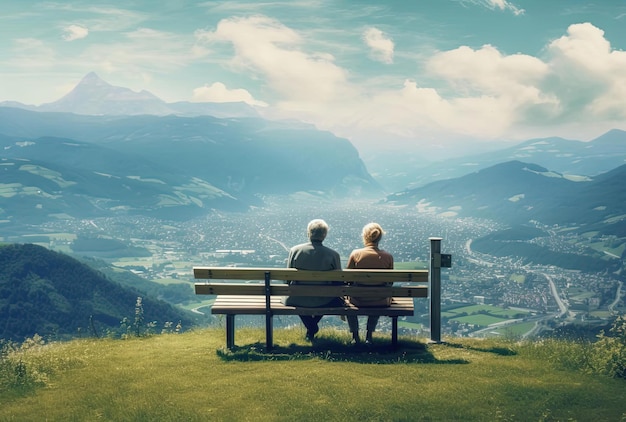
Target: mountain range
[
  {"x": 93, "y": 96},
  {"x": 569, "y": 157},
  {"x": 515, "y": 192},
  {"x": 162, "y": 163},
  {"x": 60, "y": 164}
]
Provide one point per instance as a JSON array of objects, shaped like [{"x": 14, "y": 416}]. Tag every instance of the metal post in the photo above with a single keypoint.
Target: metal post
[
  {"x": 434, "y": 289},
  {"x": 394, "y": 332}
]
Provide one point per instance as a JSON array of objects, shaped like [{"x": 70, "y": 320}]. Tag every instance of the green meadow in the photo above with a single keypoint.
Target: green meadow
[
  {"x": 191, "y": 377},
  {"x": 486, "y": 315}
]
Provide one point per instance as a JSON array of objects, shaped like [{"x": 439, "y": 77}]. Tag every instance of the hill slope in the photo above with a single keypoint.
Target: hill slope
[
  {"x": 51, "y": 294},
  {"x": 517, "y": 192},
  {"x": 167, "y": 167},
  {"x": 565, "y": 156},
  {"x": 189, "y": 377}
]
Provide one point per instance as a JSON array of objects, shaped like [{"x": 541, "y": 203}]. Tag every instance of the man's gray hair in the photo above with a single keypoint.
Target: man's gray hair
[{"x": 317, "y": 230}]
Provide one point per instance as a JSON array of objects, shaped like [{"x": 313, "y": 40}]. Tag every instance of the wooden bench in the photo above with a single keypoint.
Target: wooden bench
[{"x": 256, "y": 298}]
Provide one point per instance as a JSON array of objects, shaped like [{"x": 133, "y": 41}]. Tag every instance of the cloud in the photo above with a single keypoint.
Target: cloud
[
  {"x": 506, "y": 5},
  {"x": 99, "y": 18},
  {"x": 240, "y": 7},
  {"x": 480, "y": 93},
  {"x": 588, "y": 75},
  {"x": 578, "y": 89},
  {"x": 464, "y": 92},
  {"x": 143, "y": 51},
  {"x": 503, "y": 5},
  {"x": 381, "y": 46},
  {"x": 419, "y": 113},
  {"x": 30, "y": 53},
  {"x": 273, "y": 52},
  {"x": 218, "y": 93},
  {"x": 75, "y": 32},
  {"x": 579, "y": 84},
  {"x": 487, "y": 72}
]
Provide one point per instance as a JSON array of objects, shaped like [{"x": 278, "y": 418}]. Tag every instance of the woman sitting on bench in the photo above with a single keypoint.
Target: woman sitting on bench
[{"x": 369, "y": 257}]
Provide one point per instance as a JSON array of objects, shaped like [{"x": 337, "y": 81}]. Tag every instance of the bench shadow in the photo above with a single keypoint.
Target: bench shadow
[
  {"x": 502, "y": 351},
  {"x": 331, "y": 349}
]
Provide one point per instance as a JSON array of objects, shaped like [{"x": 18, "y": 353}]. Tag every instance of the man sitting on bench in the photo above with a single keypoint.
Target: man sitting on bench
[{"x": 314, "y": 256}]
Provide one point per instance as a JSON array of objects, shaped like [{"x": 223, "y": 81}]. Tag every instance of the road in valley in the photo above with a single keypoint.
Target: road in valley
[
  {"x": 618, "y": 297},
  {"x": 563, "y": 308}
]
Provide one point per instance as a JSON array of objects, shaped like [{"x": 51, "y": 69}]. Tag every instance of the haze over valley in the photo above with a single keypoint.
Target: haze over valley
[
  {"x": 536, "y": 230},
  {"x": 154, "y": 138}
]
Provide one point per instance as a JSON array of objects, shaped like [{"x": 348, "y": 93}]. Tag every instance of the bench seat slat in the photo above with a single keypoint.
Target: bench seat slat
[
  {"x": 309, "y": 290},
  {"x": 255, "y": 305}
]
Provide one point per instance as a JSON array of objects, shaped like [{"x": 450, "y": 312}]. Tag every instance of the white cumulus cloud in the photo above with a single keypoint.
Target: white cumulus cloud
[
  {"x": 486, "y": 71},
  {"x": 580, "y": 83},
  {"x": 503, "y": 5},
  {"x": 589, "y": 75},
  {"x": 381, "y": 46},
  {"x": 75, "y": 32},
  {"x": 577, "y": 87},
  {"x": 219, "y": 93},
  {"x": 275, "y": 53}
]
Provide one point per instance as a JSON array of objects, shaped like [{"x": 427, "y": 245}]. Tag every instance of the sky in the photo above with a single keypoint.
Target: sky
[{"x": 380, "y": 73}]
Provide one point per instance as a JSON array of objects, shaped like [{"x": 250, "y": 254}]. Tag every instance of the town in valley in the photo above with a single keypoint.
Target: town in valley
[{"x": 482, "y": 294}]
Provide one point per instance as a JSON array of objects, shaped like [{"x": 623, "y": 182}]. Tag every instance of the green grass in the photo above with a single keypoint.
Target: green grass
[
  {"x": 166, "y": 281},
  {"x": 413, "y": 265},
  {"x": 514, "y": 330},
  {"x": 482, "y": 315},
  {"x": 481, "y": 320},
  {"x": 518, "y": 278},
  {"x": 491, "y": 309},
  {"x": 191, "y": 377}
]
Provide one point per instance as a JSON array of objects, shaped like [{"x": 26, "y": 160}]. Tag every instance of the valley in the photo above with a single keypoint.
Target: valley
[
  {"x": 537, "y": 230},
  {"x": 483, "y": 294}
]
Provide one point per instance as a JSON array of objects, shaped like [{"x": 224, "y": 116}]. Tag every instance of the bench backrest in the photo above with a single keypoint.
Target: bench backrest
[
  {"x": 259, "y": 289},
  {"x": 362, "y": 277},
  {"x": 292, "y": 274}
]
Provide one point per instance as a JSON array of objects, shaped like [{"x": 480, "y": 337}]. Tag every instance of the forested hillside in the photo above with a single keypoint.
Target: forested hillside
[{"x": 52, "y": 294}]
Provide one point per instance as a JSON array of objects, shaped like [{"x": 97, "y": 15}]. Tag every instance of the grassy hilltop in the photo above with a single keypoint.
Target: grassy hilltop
[{"x": 191, "y": 377}]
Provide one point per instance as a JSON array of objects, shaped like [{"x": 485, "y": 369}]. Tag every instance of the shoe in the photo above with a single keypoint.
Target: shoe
[
  {"x": 355, "y": 339},
  {"x": 368, "y": 339},
  {"x": 310, "y": 334}
]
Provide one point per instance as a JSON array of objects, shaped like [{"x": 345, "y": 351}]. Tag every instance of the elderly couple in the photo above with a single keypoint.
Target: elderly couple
[{"x": 315, "y": 256}]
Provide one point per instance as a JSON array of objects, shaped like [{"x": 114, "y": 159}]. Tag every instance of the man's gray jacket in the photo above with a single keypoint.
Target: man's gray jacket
[{"x": 312, "y": 256}]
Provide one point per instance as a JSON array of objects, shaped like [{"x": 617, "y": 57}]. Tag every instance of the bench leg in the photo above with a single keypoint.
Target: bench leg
[
  {"x": 269, "y": 331},
  {"x": 394, "y": 332},
  {"x": 230, "y": 331}
]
